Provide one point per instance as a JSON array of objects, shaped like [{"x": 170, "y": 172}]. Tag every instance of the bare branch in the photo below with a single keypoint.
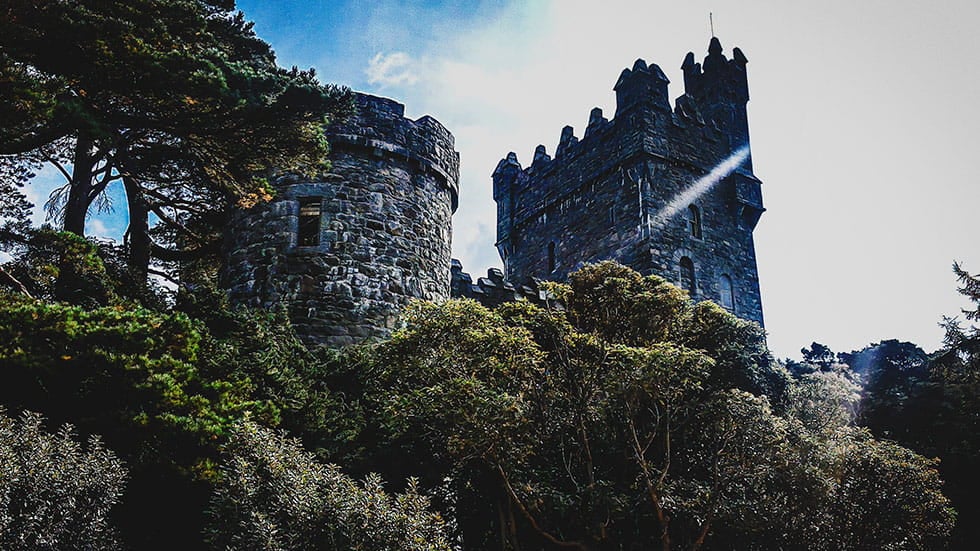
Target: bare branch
[
  {"x": 170, "y": 255},
  {"x": 530, "y": 518},
  {"x": 15, "y": 282},
  {"x": 57, "y": 164},
  {"x": 164, "y": 275},
  {"x": 174, "y": 223},
  {"x": 32, "y": 141},
  {"x": 662, "y": 518},
  {"x": 107, "y": 178}
]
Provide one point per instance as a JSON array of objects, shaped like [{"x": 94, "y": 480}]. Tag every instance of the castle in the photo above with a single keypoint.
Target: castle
[{"x": 346, "y": 252}]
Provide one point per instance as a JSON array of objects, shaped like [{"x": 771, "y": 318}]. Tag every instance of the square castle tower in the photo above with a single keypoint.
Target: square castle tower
[{"x": 666, "y": 191}]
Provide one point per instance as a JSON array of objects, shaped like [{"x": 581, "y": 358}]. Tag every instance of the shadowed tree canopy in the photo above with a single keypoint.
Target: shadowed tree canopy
[
  {"x": 631, "y": 418},
  {"x": 177, "y": 99}
]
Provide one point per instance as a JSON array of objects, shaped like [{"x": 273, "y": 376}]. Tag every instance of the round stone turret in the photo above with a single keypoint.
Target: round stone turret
[{"x": 343, "y": 253}]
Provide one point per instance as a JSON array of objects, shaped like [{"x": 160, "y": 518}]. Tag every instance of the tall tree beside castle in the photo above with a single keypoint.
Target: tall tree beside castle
[{"x": 177, "y": 99}]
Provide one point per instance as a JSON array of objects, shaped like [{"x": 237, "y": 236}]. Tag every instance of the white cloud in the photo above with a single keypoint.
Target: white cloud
[
  {"x": 867, "y": 179},
  {"x": 39, "y": 190},
  {"x": 394, "y": 69},
  {"x": 96, "y": 227}
]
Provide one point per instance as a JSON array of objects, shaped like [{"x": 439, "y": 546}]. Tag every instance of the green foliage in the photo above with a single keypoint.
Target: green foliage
[
  {"x": 274, "y": 496},
  {"x": 62, "y": 266},
  {"x": 894, "y": 374},
  {"x": 579, "y": 429},
  {"x": 260, "y": 355},
  {"x": 823, "y": 400},
  {"x": 44, "y": 257},
  {"x": 620, "y": 305},
  {"x": 819, "y": 354},
  {"x": 162, "y": 388},
  {"x": 464, "y": 357},
  {"x": 532, "y": 427},
  {"x": 184, "y": 105},
  {"x": 55, "y": 494},
  {"x": 889, "y": 498},
  {"x": 931, "y": 404},
  {"x": 15, "y": 209},
  {"x": 112, "y": 364}
]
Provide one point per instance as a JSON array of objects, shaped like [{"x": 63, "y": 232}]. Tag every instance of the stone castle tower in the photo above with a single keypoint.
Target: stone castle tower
[
  {"x": 346, "y": 252},
  {"x": 641, "y": 188}
]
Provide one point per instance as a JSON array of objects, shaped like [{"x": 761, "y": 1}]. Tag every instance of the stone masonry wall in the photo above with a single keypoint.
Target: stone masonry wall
[
  {"x": 384, "y": 231},
  {"x": 602, "y": 197}
]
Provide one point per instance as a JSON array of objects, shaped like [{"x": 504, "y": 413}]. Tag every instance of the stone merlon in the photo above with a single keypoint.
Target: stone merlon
[
  {"x": 380, "y": 126},
  {"x": 704, "y": 111}
]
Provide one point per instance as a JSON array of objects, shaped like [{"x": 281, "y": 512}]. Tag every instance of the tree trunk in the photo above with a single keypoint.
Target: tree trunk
[
  {"x": 80, "y": 187},
  {"x": 138, "y": 232}
]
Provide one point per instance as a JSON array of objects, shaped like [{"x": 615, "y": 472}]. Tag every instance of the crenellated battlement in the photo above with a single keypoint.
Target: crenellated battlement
[
  {"x": 597, "y": 198},
  {"x": 697, "y": 114},
  {"x": 641, "y": 86},
  {"x": 717, "y": 75},
  {"x": 493, "y": 290},
  {"x": 380, "y": 127}
]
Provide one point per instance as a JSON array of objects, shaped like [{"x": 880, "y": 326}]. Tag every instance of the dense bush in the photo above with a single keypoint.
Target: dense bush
[
  {"x": 55, "y": 494},
  {"x": 574, "y": 428},
  {"x": 530, "y": 427},
  {"x": 274, "y": 496}
]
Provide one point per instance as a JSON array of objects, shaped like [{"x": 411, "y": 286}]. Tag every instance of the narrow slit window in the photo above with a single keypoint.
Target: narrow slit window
[
  {"x": 688, "y": 280},
  {"x": 308, "y": 234},
  {"x": 694, "y": 221},
  {"x": 727, "y": 293},
  {"x": 551, "y": 257}
]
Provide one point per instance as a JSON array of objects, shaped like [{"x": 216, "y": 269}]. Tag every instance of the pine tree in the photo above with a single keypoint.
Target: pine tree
[{"x": 177, "y": 99}]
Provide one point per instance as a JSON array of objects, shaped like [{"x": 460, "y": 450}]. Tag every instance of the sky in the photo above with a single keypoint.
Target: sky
[{"x": 863, "y": 119}]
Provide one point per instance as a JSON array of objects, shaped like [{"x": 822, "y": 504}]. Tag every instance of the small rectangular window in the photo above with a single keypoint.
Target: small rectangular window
[{"x": 308, "y": 234}]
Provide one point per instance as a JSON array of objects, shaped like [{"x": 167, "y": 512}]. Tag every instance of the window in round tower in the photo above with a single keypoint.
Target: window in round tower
[{"x": 308, "y": 232}]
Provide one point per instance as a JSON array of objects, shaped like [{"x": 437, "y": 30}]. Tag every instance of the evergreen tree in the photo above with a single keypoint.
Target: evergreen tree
[
  {"x": 952, "y": 404},
  {"x": 931, "y": 404},
  {"x": 177, "y": 99}
]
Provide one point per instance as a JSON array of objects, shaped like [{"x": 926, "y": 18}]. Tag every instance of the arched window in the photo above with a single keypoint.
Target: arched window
[
  {"x": 727, "y": 293},
  {"x": 688, "y": 280},
  {"x": 551, "y": 257},
  {"x": 694, "y": 221}
]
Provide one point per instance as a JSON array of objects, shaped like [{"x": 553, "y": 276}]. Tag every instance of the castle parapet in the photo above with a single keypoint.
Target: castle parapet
[
  {"x": 380, "y": 127},
  {"x": 494, "y": 290}
]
